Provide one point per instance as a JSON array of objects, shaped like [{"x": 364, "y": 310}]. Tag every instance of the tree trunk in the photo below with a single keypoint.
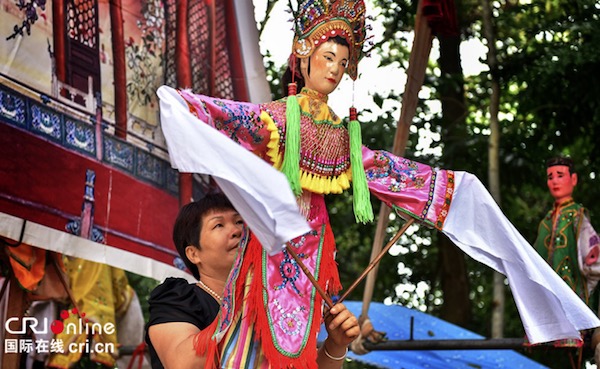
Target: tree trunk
[
  {"x": 453, "y": 271},
  {"x": 454, "y": 283},
  {"x": 494, "y": 166}
]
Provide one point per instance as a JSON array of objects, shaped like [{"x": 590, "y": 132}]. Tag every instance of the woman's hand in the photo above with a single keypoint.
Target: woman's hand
[{"x": 342, "y": 326}]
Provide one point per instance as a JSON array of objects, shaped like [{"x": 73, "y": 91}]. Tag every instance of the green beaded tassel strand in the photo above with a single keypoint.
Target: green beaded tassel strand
[
  {"x": 363, "y": 211},
  {"x": 291, "y": 156}
]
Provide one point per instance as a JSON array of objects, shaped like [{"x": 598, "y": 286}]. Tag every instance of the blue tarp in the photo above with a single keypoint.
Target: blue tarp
[{"x": 395, "y": 321}]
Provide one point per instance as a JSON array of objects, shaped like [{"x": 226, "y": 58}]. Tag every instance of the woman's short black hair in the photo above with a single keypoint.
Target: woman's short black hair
[
  {"x": 286, "y": 78},
  {"x": 186, "y": 231}
]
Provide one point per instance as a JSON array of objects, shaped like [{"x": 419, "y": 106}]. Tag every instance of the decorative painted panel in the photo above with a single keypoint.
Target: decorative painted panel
[
  {"x": 13, "y": 108},
  {"x": 46, "y": 121},
  {"x": 119, "y": 153},
  {"x": 80, "y": 136},
  {"x": 149, "y": 167}
]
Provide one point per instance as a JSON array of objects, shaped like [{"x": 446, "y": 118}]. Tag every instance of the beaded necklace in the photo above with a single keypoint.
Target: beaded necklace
[{"x": 210, "y": 291}]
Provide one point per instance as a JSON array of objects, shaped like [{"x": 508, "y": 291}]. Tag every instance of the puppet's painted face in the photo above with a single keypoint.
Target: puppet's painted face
[
  {"x": 561, "y": 182},
  {"x": 327, "y": 66}
]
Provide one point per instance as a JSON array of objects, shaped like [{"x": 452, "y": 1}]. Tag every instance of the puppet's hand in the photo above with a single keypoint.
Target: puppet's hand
[{"x": 368, "y": 331}]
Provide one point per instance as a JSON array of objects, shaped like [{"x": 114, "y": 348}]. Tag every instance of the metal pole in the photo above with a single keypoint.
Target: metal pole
[{"x": 430, "y": 345}]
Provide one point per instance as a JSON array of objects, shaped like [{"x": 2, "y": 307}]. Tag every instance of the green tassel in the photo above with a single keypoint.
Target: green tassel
[
  {"x": 363, "y": 212},
  {"x": 291, "y": 157}
]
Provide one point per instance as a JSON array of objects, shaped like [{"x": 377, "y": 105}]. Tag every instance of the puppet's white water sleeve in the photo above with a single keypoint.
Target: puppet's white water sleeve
[{"x": 259, "y": 193}]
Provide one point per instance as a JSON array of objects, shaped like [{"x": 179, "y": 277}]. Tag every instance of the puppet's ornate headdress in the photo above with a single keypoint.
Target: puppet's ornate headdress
[{"x": 315, "y": 21}]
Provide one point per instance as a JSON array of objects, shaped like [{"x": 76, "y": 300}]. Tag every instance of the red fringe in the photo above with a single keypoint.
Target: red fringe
[
  {"x": 328, "y": 279},
  {"x": 329, "y": 269}
]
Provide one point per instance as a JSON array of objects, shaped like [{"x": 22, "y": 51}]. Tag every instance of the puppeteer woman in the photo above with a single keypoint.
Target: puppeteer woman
[{"x": 273, "y": 310}]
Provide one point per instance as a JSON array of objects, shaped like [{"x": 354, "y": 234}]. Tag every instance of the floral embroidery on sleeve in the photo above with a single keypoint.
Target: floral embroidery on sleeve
[
  {"x": 240, "y": 123},
  {"x": 396, "y": 172}
]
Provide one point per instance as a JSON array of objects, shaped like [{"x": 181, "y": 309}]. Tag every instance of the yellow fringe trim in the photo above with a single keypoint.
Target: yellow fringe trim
[
  {"x": 309, "y": 181},
  {"x": 273, "y": 151},
  {"x": 324, "y": 185}
]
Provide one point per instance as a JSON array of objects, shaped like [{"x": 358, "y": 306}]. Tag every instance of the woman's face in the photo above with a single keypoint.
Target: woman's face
[
  {"x": 327, "y": 66},
  {"x": 219, "y": 241}
]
